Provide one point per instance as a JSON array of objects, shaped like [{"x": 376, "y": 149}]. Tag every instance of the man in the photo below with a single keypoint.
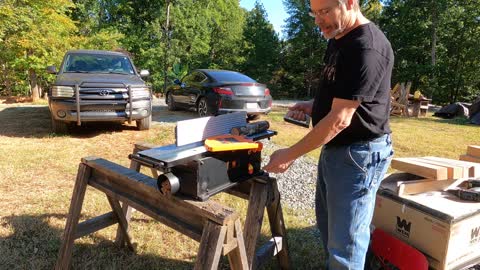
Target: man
[{"x": 350, "y": 114}]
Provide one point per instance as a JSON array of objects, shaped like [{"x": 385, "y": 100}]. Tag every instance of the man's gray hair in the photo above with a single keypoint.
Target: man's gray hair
[{"x": 356, "y": 4}]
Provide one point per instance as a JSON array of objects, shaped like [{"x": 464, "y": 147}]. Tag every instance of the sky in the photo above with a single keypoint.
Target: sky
[{"x": 275, "y": 10}]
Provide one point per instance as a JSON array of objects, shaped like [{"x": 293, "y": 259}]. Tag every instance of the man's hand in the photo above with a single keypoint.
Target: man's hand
[
  {"x": 299, "y": 110},
  {"x": 280, "y": 161}
]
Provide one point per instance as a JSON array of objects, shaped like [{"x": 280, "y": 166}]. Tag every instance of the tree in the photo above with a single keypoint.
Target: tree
[
  {"x": 302, "y": 51},
  {"x": 35, "y": 33},
  {"x": 439, "y": 52},
  {"x": 263, "y": 45}
]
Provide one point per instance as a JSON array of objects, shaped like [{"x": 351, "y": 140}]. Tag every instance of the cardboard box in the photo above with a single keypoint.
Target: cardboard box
[{"x": 444, "y": 228}]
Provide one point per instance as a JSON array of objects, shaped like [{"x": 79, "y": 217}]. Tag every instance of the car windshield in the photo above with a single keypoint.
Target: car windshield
[
  {"x": 97, "y": 63},
  {"x": 229, "y": 76}
]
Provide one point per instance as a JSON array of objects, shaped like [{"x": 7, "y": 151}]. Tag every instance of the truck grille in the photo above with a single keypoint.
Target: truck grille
[{"x": 103, "y": 93}]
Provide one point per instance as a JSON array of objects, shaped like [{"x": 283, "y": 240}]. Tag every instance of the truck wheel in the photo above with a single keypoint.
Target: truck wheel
[
  {"x": 59, "y": 126},
  {"x": 144, "y": 124},
  {"x": 252, "y": 117},
  {"x": 171, "y": 103},
  {"x": 202, "y": 108}
]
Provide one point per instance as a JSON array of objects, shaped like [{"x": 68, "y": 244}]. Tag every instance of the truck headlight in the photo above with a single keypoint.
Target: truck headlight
[
  {"x": 140, "y": 92},
  {"x": 62, "y": 91}
]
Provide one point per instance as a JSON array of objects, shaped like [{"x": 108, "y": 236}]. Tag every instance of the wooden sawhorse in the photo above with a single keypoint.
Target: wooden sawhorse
[{"x": 217, "y": 228}]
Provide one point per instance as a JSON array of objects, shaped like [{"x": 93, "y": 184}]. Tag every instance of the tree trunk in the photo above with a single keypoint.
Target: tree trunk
[
  {"x": 167, "y": 48},
  {"x": 34, "y": 88},
  {"x": 6, "y": 79},
  {"x": 434, "y": 46}
]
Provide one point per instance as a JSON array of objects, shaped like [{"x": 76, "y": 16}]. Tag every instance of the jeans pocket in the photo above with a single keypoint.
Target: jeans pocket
[
  {"x": 359, "y": 156},
  {"x": 358, "y": 159}
]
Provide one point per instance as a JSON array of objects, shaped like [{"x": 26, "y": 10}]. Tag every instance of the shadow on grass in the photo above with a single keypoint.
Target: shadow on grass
[
  {"x": 34, "y": 122},
  {"x": 30, "y": 121},
  {"x": 34, "y": 244},
  {"x": 304, "y": 248}
]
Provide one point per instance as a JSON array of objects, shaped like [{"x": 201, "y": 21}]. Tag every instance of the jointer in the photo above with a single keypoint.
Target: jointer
[{"x": 220, "y": 160}]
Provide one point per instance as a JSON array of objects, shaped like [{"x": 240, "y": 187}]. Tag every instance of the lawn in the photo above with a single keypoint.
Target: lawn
[{"x": 38, "y": 168}]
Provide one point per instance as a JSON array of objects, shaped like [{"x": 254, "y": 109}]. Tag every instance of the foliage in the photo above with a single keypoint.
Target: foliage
[
  {"x": 34, "y": 33},
  {"x": 434, "y": 41},
  {"x": 263, "y": 50},
  {"x": 302, "y": 51},
  {"x": 178, "y": 71},
  {"x": 447, "y": 69}
]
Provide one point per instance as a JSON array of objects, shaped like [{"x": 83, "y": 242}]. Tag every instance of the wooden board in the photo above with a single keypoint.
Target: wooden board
[
  {"x": 453, "y": 171},
  {"x": 420, "y": 168},
  {"x": 473, "y": 168},
  {"x": 421, "y": 186},
  {"x": 470, "y": 158},
  {"x": 473, "y": 150}
]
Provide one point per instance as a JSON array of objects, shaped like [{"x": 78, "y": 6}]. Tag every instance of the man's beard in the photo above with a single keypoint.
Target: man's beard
[{"x": 338, "y": 30}]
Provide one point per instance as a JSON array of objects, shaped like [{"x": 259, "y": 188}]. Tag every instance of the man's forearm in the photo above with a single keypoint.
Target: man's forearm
[
  {"x": 322, "y": 133},
  {"x": 339, "y": 118}
]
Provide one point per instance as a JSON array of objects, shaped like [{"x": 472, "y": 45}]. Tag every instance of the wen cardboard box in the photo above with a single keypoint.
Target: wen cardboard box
[{"x": 444, "y": 228}]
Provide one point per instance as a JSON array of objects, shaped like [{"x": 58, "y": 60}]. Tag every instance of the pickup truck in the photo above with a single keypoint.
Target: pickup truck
[{"x": 94, "y": 85}]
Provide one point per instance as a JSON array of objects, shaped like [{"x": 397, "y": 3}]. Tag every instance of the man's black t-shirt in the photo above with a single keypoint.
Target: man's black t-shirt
[{"x": 358, "y": 66}]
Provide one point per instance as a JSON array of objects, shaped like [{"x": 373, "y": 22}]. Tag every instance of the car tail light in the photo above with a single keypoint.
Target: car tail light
[
  {"x": 267, "y": 92},
  {"x": 223, "y": 91}
]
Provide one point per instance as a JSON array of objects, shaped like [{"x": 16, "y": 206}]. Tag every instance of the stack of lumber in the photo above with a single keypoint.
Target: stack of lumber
[
  {"x": 423, "y": 174},
  {"x": 473, "y": 154}
]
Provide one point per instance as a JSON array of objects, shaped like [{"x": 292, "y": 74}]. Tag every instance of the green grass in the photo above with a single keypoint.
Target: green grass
[{"x": 38, "y": 168}]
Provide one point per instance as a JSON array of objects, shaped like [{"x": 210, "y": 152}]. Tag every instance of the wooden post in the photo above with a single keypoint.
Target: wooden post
[
  {"x": 253, "y": 222},
  {"x": 277, "y": 226},
  {"x": 211, "y": 246},
  {"x": 238, "y": 256},
  {"x": 126, "y": 210},
  {"x": 65, "y": 252}
]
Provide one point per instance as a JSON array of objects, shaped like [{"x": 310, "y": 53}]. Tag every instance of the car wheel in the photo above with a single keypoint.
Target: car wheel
[
  {"x": 144, "y": 124},
  {"x": 59, "y": 127},
  {"x": 171, "y": 103},
  {"x": 202, "y": 108},
  {"x": 252, "y": 117}
]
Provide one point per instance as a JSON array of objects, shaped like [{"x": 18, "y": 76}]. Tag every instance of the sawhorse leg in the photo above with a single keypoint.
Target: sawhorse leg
[
  {"x": 265, "y": 195},
  {"x": 65, "y": 252},
  {"x": 127, "y": 210},
  {"x": 212, "y": 244}
]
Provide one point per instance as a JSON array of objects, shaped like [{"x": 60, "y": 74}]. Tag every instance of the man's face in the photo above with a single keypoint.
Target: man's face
[{"x": 329, "y": 16}]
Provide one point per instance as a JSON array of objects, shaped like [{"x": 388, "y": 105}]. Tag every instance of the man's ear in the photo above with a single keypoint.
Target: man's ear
[{"x": 350, "y": 4}]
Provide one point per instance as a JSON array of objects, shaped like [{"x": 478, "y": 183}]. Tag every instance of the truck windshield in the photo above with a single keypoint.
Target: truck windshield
[{"x": 97, "y": 63}]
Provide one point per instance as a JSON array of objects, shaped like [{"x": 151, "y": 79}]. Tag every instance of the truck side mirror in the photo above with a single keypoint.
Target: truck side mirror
[
  {"x": 144, "y": 73},
  {"x": 51, "y": 70}
]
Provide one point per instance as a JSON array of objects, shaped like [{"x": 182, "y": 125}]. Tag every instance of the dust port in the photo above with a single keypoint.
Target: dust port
[{"x": 168, "y": 184}]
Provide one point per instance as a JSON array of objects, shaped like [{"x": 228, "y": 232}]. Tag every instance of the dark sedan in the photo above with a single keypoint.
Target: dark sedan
[{"x": 213, "y": 92}]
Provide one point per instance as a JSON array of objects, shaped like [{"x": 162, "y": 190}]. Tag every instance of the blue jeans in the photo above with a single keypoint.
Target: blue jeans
[{"x": 348, "y": 180}]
